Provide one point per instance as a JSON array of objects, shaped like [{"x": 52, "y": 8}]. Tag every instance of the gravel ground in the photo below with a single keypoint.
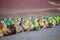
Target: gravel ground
[{"x": 42, "y": 34}]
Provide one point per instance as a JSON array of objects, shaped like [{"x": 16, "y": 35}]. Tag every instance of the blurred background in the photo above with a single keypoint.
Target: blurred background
[
  {"x": 26, "y": 7},
  {"x": 24, "y": 4}
]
